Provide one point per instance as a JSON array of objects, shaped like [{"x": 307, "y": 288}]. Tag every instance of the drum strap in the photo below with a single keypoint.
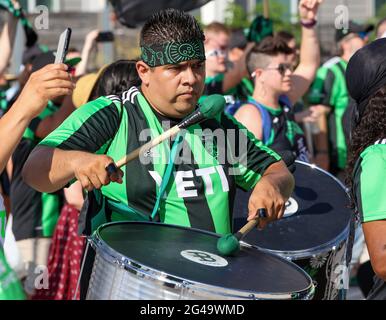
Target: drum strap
[{"x": 176, "y": 147}]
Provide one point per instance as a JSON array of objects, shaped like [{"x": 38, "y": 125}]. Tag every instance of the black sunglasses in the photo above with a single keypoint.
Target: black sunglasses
[{"x": 282, "y": 68}]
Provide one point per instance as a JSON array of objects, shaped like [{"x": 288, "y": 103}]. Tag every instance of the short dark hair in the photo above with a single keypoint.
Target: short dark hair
[
  {"x": 284, "y": 35},
  {"x": 117, "y": 78},
  {"x": 170, "y": 25},
  {"x": 259, "y": 56}
]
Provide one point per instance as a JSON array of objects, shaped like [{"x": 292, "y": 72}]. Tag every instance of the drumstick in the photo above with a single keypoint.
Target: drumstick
[
  {"x": 210, "y": 107},
  {"x": 229, "y": 244}
]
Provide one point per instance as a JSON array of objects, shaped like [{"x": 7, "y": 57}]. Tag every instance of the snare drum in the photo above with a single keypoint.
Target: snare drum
[
  {"x": 143, "y": 260},
  {"x": 314, "y": 231}
]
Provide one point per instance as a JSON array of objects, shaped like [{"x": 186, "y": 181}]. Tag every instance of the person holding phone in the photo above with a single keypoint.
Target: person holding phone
[
  {"x": 34, "y": 214},
  {"x": 44, "y": 85}
]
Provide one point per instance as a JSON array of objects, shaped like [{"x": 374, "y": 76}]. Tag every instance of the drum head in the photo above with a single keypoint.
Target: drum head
[
  {"x": 317, "y": 213},
  {"x": 191, "y": 254}
]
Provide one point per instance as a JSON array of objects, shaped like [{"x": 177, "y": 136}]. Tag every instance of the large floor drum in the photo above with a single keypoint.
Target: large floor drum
[
  {"x": 314, "y": 232},
  {"x": 140, "y": 260}
]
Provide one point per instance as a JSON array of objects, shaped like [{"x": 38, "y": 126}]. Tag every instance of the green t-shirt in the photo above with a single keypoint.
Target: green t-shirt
[
  {"x": 329, "y": 88},
  {"x": 243, "y": 91},
  {"x": 200, "y": 193},
  {"x": 370, "y": 182},
  {"x": 214, "y": 85}
]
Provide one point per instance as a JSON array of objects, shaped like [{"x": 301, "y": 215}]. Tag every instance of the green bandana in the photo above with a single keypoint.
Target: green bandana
[{"x": 172, "y": 52}]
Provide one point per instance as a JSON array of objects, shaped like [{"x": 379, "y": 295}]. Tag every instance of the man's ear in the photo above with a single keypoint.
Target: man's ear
[
  {"x": 143, "y": 72},
  {"x": 258, "y": 73}
]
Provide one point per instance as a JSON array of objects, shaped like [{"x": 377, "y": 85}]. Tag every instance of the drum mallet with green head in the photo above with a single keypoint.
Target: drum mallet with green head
[{"x": 229, "y": 244}]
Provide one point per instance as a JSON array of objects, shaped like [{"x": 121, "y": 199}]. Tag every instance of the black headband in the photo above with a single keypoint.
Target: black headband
[{"x": 366, "y": 74}]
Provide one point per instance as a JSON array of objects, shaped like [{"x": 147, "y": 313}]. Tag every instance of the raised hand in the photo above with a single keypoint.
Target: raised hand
[
  {"x": 48, "y": 83},
  {"x": 308, "y": 9}
]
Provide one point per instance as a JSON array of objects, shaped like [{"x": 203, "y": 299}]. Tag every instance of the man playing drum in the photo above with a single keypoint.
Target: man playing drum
[{"x": 200, "y": 195}]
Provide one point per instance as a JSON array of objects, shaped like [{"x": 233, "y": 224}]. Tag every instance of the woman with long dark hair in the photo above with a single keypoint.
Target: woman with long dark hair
[{"x": 366, "y": 83}]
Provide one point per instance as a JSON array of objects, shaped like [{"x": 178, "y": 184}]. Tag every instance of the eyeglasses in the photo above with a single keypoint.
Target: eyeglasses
[
  {"x": 282, "y": 68},
  {"x": 216, "y": 53}
]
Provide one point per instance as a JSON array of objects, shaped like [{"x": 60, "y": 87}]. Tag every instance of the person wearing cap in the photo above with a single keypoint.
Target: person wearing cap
[
  {"x": 46, "y": 84},
  {"x": 329, "y": 90},
  {"x": 366, "y": 168},
  {"x": 34, "y": 214}
]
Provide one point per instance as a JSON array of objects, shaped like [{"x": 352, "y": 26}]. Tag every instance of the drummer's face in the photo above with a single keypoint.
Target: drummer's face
[{"x": 173, "y": 90}]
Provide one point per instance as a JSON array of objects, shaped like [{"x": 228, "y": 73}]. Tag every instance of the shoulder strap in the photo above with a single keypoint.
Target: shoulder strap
[
  {"x": 265, "y": 119},
  {"x": 168, "y": 172}
]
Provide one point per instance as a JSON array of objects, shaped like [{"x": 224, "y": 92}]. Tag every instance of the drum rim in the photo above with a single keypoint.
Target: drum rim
[
  {"x": 328, "y": 246},
  {"x": 307, "y": 253},
  {"x": 314, "y": 166},
  {"x": 114, "y": 257}
]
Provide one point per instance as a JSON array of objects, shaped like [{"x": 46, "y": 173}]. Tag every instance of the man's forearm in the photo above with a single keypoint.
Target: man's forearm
[
  {"x": 49, "y": 169},
  {"x": 14, "y": 121},
  {"x": 280, "y": 176}
]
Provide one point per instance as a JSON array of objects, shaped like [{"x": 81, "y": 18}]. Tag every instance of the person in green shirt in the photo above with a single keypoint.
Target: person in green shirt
[
  {"x": 221, "y": 77},
  {"x": 329, "y": 91},
  {"x": 277, "y": 86},
  {"x": 45, "y": 84},
  {"x": 366, "y": 169},
  {"x": 200, "y": 192}
]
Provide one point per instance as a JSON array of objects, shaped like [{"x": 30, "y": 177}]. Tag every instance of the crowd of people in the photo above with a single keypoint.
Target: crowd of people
[{"x": 62, "y": 125}]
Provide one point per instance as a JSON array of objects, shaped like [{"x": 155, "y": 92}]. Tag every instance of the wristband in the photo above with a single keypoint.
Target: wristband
[{"x": 309, "y": 24}]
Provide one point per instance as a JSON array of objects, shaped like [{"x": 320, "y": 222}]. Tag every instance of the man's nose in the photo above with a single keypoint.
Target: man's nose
[{"x": 189, "y": 77}]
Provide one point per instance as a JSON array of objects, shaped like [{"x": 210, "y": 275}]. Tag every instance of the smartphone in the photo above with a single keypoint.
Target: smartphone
[
  {"x": 105, "y": 36},
  {"x": 64, "y": 42}
]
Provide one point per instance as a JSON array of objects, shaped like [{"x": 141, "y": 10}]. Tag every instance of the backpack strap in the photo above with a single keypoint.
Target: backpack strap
[{"x": 265, "y": 119}]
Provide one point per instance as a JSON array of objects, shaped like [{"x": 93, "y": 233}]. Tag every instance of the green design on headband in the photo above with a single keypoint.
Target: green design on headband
[{"x": 172, "y": 52}]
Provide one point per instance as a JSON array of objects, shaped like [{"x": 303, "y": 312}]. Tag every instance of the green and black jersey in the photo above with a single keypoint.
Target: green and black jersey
[
  {"x": 370, "y": 182},
  {"x": 35, "y": 214},
  {"x": 214, "y": 85},
  {"x": 216, "y": 155},
  {"x": 3, "y": 103},
  {"x": 284, "y": 133},
  {"x": 243, "y": 91},
  {"x": 329, "y": 88}
]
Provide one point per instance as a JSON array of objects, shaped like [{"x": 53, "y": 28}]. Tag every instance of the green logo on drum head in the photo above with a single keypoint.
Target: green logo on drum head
[{"x": 205, "y": 258}]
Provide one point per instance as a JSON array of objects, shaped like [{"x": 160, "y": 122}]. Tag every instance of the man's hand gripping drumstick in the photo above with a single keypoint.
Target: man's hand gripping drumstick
[{"x": 93, "y": 170}]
